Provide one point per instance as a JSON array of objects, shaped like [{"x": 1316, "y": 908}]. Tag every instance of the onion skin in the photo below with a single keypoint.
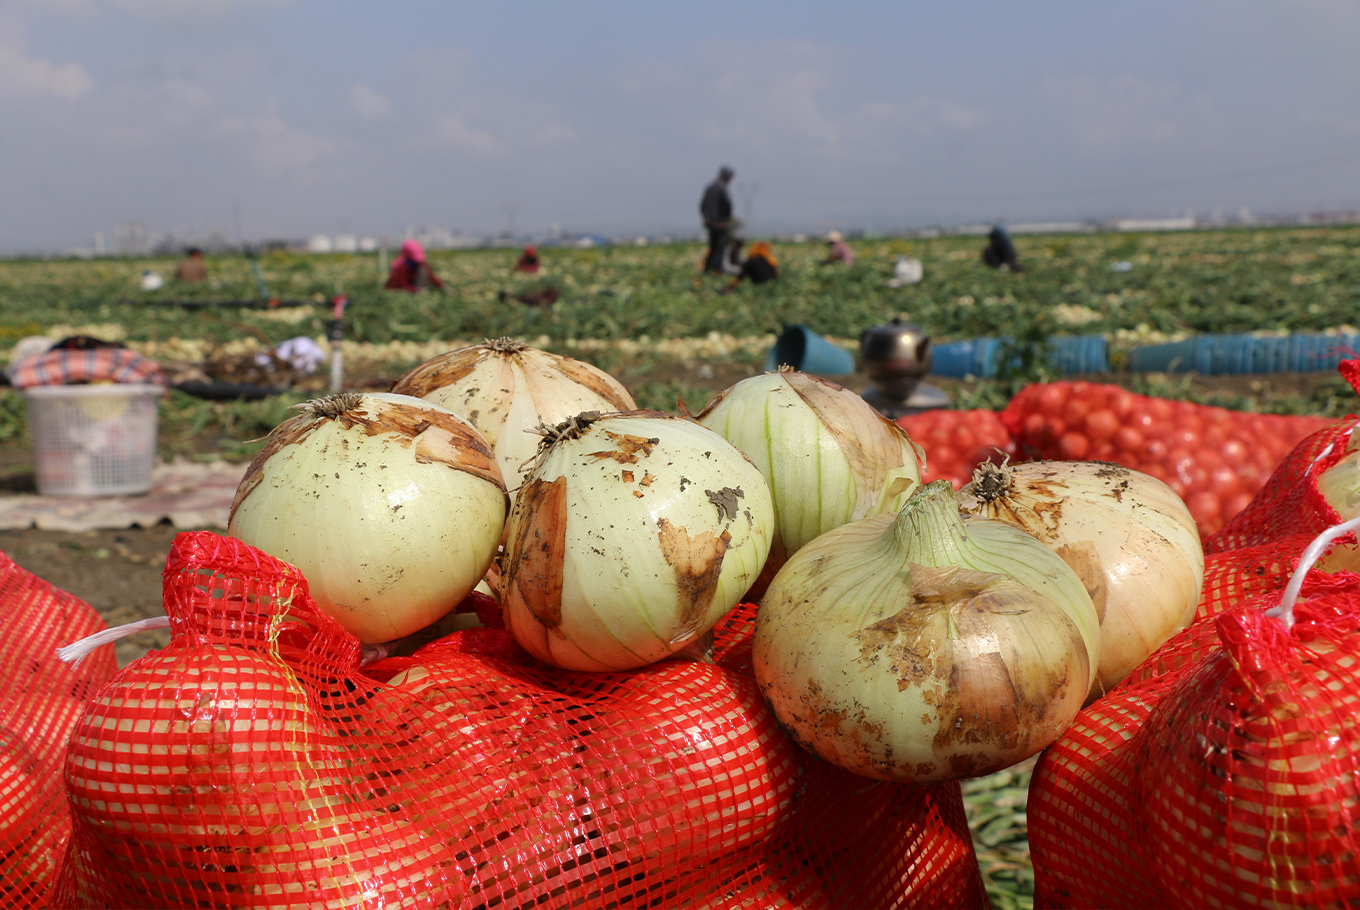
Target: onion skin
[
  {"x": 827, "y": 455},
  {"x": 629, "y": 540},
  {"x": 505, "y": 388},
  {"x": 1126, "y": 534},
  {"x": 925, "y": 646},
  {"x": 390, "y": 506}
]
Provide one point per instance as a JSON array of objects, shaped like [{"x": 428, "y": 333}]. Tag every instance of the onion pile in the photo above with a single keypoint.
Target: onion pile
[
  {"x": 926, "y": 645},
  {"x": 827, "y": 455},
  {"x": 1127, "y": 535},
  {"x": 505, "y": 388},
  {"x": 392, "y": 508},
  {"x": 631, "y": 536}
]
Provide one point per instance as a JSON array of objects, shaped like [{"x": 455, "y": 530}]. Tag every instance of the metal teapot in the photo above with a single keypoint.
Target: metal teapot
[{"x": 896, "y": 357}]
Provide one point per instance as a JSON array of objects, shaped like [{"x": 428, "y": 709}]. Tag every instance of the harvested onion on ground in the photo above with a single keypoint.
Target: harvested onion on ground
[
  {"x": 1126, "y": 534},
  {"x": 505, "y": 388},
  {"x": 926, "y": 645},
  {"x": 391, "y": 507},
  {"x": 632, "y": 535}
]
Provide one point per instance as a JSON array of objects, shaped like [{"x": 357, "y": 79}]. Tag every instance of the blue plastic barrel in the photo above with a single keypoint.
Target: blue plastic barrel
[
  {"x": 1074, "y": 354},
  {"x": 976, "y": 357},
  {"x": 806, "y": 351},
  {"x": 980, "y": 356},
  {"x": 1163, "y": 358},
  {"x": 1270, "y": 355},
  {"x": 1312, "y": 352}
]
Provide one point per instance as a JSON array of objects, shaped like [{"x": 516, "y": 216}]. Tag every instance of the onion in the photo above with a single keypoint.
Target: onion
[
  {"x": 1127, "y": 535},
  {"x": 391, "y": 507},
  {"x": 828, "y": 456},
  {"x": 632, "y": 535},
  {"x": 927, "y": 645},
  {"x": 1340, "y": 484},
  {"x": 505, "y": 388}
]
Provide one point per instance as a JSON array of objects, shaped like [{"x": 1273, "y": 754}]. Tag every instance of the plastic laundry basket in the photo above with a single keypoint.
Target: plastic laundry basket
[{"x": 93, "y": 440}]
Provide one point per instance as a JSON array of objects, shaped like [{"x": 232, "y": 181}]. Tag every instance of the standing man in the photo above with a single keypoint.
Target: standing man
[{"x": 716, "y": 210}]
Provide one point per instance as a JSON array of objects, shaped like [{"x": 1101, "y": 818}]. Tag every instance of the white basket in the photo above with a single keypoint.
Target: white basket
[{"x": 93, "y": 440}]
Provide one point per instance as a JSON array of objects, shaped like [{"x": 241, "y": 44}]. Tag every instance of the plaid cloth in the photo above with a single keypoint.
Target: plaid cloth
[{"x": 66, "y": 367}]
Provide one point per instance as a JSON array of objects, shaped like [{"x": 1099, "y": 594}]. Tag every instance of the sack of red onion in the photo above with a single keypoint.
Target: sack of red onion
[
  {"x": 956, "y": 443},
  {"x": 1313, "y": 488},
  {"x": 253, "y": 758},
  {"x": 41, "y": 698},
  {"x": 1213, "y": 458},
  {"x": 1223, "y": 772}
]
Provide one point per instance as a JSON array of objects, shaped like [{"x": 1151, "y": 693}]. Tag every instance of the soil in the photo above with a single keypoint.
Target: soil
[{"x": 118, "y": 572}]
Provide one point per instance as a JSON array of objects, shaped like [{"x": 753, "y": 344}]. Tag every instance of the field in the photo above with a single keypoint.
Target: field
[{"x": 648, "y": 316}]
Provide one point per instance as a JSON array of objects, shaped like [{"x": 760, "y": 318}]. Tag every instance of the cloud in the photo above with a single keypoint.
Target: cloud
[
  {"x": 272, "y": 144},
  {"x": 794, "y": 97},
  {"x": 1122, "y": 110},
  {"x": 452, "y": 132},
  {"x": 24, "y": 77},
  {"x": 370, "y": 104}
]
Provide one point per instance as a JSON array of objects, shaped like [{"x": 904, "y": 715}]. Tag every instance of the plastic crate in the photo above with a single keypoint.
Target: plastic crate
[{"x": 93, "y": 440}]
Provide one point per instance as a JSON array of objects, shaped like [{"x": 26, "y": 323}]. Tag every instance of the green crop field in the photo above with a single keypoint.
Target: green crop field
[
  {"x": 648, "y": 313},
  {"x": 1176, "y": 283}
]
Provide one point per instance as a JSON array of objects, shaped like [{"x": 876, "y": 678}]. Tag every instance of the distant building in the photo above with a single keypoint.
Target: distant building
[
  {"x": 1051, "y": 227},
  {"x": 320, "y": 243},
  {"x": 1185, "y": 223},
  {"x": 130, "y": 238}
]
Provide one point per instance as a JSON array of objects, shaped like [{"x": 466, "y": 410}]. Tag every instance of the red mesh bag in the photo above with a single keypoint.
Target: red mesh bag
[
  {"x": 956, "y": 442},
  {"x": 40, "y": 699},
  {"x": 254, "y": 762},
  {"x": 1215, "y": 459},
  {"x": 1221, "y": 773}
]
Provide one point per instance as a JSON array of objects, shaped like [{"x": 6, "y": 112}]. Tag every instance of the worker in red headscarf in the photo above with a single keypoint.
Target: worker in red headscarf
[
  {"x": 410, "y": 271},
  {"x": 528, "y": 261}
]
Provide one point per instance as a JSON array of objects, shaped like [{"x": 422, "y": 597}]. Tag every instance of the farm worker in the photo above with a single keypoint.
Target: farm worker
[
  {"x": 1000, "y": 252},
  {"x": 528, "y": 261},
  {"x": 410, "y": 271},
  {"x": 759, "y": 266},
  {"x": 192, "y": 270},
  {"x": 733, "y": 257},
  {"x": 716, "y": 210},
  {"x": 839, "y": 250}
]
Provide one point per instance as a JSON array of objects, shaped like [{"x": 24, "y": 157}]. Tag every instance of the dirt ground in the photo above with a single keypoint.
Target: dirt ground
[{"x": 118, "y": 572}]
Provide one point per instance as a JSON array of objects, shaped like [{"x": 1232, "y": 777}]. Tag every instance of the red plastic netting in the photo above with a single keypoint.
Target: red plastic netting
[
  {"x": 1226, "y": 777},
  {"x": 40, "y": 701},
  {"x": 253, "y": 763},
  {"x": 1216, "y": 459},
  {"x": 1289, "y": 502}
]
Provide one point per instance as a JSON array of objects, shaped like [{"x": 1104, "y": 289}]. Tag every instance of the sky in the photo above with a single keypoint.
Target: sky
[{"x": 274, "y": 119}]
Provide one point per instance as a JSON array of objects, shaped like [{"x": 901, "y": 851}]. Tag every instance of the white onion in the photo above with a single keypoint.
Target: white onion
[
  {"x": 391, "y": 507},
  {"x": 1340, "y": 486},
  {"x": 505, "y": 388},
  {"x": 927, "y": 645},
  {"x": 827, "y": 455},
  {"x": 1127, "y": 535},
  {"x": 631, "y": 536}
]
